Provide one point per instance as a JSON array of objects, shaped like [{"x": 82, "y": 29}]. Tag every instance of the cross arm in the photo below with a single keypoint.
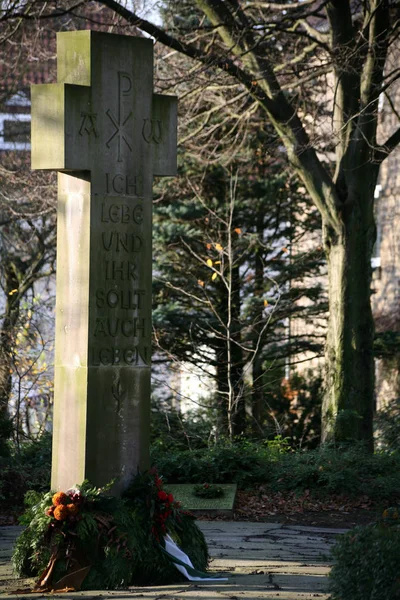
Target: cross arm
[
  {"x": 57, "y": 108},
  {"x": 164, "y": 112}
]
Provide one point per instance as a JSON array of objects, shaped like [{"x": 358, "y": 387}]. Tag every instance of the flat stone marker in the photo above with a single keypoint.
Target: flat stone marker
[
  {"x": 223, "y": 505},
  {"x": 106, "y": 133}
]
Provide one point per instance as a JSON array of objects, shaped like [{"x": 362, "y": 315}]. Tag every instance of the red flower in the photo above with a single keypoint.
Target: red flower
[
  {"x": 170, "y": 498},
  {"x": 157, "y": 480},
  {"x": 163, "y": 496}
]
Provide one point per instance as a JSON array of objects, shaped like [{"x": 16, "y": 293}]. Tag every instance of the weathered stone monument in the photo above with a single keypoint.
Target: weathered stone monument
[{"x": 106, "y": 133}]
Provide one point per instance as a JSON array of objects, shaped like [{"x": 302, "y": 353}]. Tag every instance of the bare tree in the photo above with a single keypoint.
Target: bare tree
[
  {"x": 317, "y": 69},
  {"x": 224, "y": 257},
  {"x": 27, "y": 254}
]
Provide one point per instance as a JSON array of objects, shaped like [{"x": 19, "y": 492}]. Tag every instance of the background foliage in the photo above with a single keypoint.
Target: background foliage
[{"x": 273, "y": 464}]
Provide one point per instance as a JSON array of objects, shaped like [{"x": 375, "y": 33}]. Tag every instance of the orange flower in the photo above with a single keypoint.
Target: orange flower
[
  {"x": 73, "y": 509},
  {"x": 60, "y": 498},
  {"x": 61, "y": 512}
]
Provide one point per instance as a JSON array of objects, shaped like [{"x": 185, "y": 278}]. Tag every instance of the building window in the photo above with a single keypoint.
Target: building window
[
  {"x": 19, "y": 99},
  {"x": 15, "y": 131}
]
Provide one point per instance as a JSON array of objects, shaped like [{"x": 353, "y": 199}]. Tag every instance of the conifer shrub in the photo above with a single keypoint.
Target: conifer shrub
[
  {"x": 245, "y": 463},
  {"x": 87, "y": 539},
  {"x": 346, "y": 470},
  {"x": 366, "y": 561}
]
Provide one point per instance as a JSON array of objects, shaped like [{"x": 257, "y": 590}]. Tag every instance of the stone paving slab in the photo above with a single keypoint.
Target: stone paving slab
[{"x": 263, "y": 561}]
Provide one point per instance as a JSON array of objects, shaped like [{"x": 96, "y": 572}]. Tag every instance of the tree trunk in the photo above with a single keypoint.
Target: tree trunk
[
  {"x": 347, "y": 410},
  {"x": 7, "y": 337},
  {"x": 231, "y": 416},
  {"x": 231, "y": 413},
  {"x": 238, "y": 409},
  {"x": 257, "y": 391},
  {"x": 222, "y": 389},
  {"x": 7, "y": 334}
]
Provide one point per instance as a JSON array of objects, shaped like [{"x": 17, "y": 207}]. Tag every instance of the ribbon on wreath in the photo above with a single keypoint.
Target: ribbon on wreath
[{"x": 183, "y": 563}]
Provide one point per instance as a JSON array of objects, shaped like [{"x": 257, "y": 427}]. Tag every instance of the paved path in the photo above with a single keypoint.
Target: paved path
[{"x": 261, "y": 560}]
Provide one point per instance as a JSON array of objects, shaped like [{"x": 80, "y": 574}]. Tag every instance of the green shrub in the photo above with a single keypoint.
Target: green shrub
[
  {"x": 242, "y": 462},
  {"x": 366, "y": 564},
  {"x": 346, "y": 471}
]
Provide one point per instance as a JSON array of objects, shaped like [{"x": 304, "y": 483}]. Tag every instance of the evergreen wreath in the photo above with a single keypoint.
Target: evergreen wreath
[
  {"x": 208, "y": 490},
  {"x": 86, "y": 539}
]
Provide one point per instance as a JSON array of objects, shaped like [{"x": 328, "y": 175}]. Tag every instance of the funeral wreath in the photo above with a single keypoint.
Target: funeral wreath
[
  {"x": 85, "y": 538},
  {"x": 208, "y": 490}
]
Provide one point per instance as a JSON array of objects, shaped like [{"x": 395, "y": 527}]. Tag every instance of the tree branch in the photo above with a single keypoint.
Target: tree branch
[
  {"x": 261, "y": 82},
  {"x": 207, "y": 58},
  {"x": 383, "y": 151},
  {"x": 288, "y": 126}
]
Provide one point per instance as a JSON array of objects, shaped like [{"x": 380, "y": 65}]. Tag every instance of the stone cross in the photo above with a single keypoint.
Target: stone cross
[{"x": 106, "y": 133}]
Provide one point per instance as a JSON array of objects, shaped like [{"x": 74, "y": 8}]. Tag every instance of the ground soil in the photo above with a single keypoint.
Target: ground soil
[
  {"x": 291, "y": 509},
  {"x": 336, "y": 519}
]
